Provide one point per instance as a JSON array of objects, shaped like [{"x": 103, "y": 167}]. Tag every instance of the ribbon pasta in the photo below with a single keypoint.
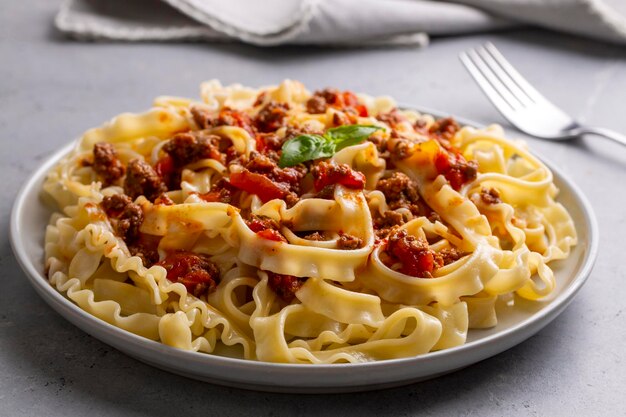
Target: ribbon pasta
[{"x": 314, "y": 274}]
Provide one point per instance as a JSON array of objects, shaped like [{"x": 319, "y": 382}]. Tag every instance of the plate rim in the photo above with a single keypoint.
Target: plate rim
[{"x": 481, "y": 348}]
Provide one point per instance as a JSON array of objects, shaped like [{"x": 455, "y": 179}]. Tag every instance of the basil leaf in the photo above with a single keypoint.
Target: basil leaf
[
  {"x": 344, "y": 136},
  {"x": 305, "y": 148},
  {"x": 308, "y": 147}
]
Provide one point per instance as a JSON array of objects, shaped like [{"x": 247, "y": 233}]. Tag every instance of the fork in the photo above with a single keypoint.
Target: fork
[{"x": 520, "y": 103}]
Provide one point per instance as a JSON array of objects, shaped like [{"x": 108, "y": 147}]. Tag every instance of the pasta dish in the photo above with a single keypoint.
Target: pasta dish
[{"x": 277, "y": 225}]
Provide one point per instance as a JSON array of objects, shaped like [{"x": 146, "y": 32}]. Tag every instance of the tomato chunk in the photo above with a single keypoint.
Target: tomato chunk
[
  {"x": 455, "y": 169},
  {"x": 271, "y": 234},
  {"x": 349, "y": 99},
  {"x": 257, "y": 184},
  {"x": 195, "y": 271},
  {"x": 266, "y": 228},
  {"x": 417, "y": 259},
  {"x": 326, "y": 173},
  {"x": 362, "y": 110},
  {"x": 165, "y": 166},
  {"x": 260, "y": 144},
  {"x": 211, "y": 197},
  {"x": 256, "y": 225},
  {"x": 285, "y": 286},
  {"x": 231, "y": 117},
  {"x": 221, "y": 192}
]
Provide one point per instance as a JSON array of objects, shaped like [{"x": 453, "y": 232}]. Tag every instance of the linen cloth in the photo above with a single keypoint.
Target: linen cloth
[{"x": 332, "y": 22}]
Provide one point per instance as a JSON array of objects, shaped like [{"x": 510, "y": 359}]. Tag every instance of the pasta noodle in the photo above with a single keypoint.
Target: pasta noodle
[{"x": 277, "y": 225}]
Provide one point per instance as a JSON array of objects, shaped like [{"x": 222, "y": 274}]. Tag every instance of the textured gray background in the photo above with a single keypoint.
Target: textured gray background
[{"x": 51, "y": 90}]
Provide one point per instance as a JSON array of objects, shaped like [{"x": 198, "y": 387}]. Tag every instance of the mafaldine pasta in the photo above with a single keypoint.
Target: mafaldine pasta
[{"x": 283, "y": 226}]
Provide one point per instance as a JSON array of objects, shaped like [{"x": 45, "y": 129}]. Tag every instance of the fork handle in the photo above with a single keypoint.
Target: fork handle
[{"x": 607, "y": 133}]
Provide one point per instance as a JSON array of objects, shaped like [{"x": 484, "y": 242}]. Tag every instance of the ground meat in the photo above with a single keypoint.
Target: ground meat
[
  {"x": 266, "y": 228},
  {"x": 201, "y": 116},
  {"x": 490, "y": 196},
  {"x": 469, "y": 170},
  {"x": 260, "y": 163},
  {"x": 320, "y": 100},
  {"x": 258, "y": 223},
  {"x": 327, "y": 193},
  {"x": 402, "y": 149},
  {"x": 275, "y": 156},
  {"x": 379, "y": 141},
  {"x": 219, "y": 195},
  {"x": 106, "y": 164},
  {"x": 347, "y": 102},
  {"x": 125, "y": 216},
  {"x": 146, "y": 248},
  {"x": 400, "y": 192},
  {"x": 391, "y": 218},
  {"x": 189, "y": 147},
  {"x": 142, "y": 179},
  {"x": 129, "y": 222},
  {"x": 182, "y": 148},
  {"x": 266, "y": 165},
  {"x": 450, "y": 255},
  {"x": 315, "y": 236},
  {"x": 398, "y": 188},
  {"x": 420, "y": 125},
  {"x": 285, "y": 286},
  {"x": 316, "y": 105},
  {"x": 417, "y": 259},
  {"x": 331, "y": 95},
  {"x": 291, "y": 199},
  {"x": 269, "y": 142},
  {"x": 384, "y": 224},
  {"x": 164, "y": 200},
  {"x": 444, "y": 130},
  {"x": 186, "y": 148},
  {"x": 260, "y": 98},
  {"x": 194, "y": 270},
  {"x": 206, "y": 119},
  {"x": 115, "y": 204},
  {"x": 392, "y": 118},
  {"x": 221, "y": 192},
  {"x": 329, "y": 173},
  {"x": 271, "y": 117},
  {"x": 349, "y": 242},
  {"x": 231, "y": 117},
  {"x": 232, "y": 156},
  {"x": 292, "y": 132}
]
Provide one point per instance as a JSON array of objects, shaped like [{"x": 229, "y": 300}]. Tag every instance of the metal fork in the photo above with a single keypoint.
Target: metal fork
[{"x": 520, "y": 103}]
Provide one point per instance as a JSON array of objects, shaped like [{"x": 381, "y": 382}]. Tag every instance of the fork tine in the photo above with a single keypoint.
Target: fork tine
[
  {"x": 506, "y": 80},
  {"x": 484, "y": 85},
  {"x": 519, "y": 80},
  {"x": 490, "y": 82}
]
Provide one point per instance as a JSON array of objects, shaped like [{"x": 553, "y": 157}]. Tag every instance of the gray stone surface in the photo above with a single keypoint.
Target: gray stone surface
[{"x": 52, "y": 89}]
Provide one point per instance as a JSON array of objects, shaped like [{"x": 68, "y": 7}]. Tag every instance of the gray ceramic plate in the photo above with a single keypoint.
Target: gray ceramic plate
[{"x": 30, "y": 217}]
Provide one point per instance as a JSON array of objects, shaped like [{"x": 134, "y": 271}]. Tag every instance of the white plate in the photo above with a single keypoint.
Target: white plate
[{"x": 30, "y": 217}]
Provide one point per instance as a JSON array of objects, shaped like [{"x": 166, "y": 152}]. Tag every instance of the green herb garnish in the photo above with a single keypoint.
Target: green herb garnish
[{"x": 308, "y": 147}]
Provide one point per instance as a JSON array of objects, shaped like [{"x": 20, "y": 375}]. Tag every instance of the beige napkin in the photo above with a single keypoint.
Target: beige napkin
[{"x": 332, "y": 22}]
